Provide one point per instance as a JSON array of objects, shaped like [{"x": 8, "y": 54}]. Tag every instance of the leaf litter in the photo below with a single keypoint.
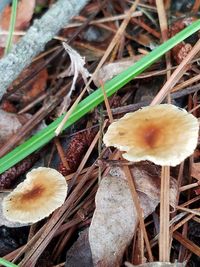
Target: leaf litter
[{"x": 113, "y": 226}]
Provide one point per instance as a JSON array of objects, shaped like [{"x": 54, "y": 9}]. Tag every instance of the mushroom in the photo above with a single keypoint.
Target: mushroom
[
  {"x": 43, "y": 191},
  {"x": 163, "y": 134}
]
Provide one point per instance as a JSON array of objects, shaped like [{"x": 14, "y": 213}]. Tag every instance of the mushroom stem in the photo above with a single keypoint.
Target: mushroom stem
[{"x": 164, "y": 215}]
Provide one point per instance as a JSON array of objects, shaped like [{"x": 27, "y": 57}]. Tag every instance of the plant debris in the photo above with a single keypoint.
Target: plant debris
[{"x": 114, "y": 210}]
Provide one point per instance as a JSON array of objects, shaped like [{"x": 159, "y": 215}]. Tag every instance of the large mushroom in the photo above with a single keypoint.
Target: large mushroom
[
  {"x": 43, "y": 191},
  {"x": 163, "y": 134}
]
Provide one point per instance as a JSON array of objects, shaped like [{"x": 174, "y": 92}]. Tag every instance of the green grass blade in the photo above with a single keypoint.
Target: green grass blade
[
  {"x": 7, "y": 263},
  {"x": 94, "y": 99},
  {"x": 12, "y": 26}
]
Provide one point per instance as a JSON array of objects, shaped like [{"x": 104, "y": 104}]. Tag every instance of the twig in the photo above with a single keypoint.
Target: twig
[
  {"x": 186, "y": 83},
  {"x": 196, "y": 6},
  {"x": 73, "y": 25},
  {"x": 42, "y": 31},
  {"x": 61, "y": 154},
  {"x": 138, "y": 208},
  {"x": 164, "y": 237},
  {"x": 177, "y": 74},
  {"x": 187, "y": 243}
]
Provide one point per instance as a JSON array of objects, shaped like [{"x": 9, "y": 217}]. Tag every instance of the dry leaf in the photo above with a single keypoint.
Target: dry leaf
[
  {"x": 15, "y": 122},
  {"x": 115, "y": 219},
  {"x": 76, "y": 67},
  {"x": 196, "y": 170},
  {"x": 80, "y": 254},
  {"x": 149, "y": 171},
  {"x": 110, "y": 70},
  {"x": 33, "y": 88}
]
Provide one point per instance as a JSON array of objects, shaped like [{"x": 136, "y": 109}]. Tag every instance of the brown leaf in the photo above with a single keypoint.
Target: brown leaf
[
  {"x": 115, "y": 219},
  {"x": 147, "y": 171},
  {"x": 110, "y": 70},
  {"x": 10, "y": 123},
  {"x": 34, "y": 87},
  {"x": 80, "y": 254},
  {"x": 196, "y": 170}
]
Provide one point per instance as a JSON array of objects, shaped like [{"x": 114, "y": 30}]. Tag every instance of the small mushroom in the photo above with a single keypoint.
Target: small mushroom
[
  {"x": 163, "y": 134},
  {"x": 43, "y": 191}
]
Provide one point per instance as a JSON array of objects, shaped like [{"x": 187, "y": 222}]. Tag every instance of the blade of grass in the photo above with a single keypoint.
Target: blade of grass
[
  {"x": 94, "y": 99},
  {"x": 7, "y": 263},
  {"x": 12, "y": 26}
]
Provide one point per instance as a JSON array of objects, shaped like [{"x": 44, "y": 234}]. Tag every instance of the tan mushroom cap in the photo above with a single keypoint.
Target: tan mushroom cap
[
  {"x": 43, "y": 191},
  {"x": 163, "y": 134}
]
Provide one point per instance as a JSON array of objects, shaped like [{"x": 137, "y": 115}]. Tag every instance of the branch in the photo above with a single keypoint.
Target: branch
[{"x": 33, "y": 42}]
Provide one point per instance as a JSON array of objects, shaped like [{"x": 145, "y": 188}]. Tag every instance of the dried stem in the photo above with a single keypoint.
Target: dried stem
[
  {"x": 164, "y": 215},
  {"x": 138, "y": 209},
  {"x": 177, "y": 74}
]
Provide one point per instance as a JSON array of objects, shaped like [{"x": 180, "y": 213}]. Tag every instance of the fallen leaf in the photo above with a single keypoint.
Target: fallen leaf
[
  {"x": 33, "y": 88},
  {"x": 10, "y": 123},
  {"x": 146, "y": 170},
  {"x": 196, "y": 170},
  {"x": 80, "y": 253},
  {"x": 110, "y": 70},
  {"x": 115, "y": 219},
  {"x": 75, "y": 69},
  {"x": 15, "y": 122}
]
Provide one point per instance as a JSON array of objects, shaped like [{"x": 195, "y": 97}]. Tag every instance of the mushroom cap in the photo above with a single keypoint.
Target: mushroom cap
[
  {"x": 163, "y": 134},
  {"x": 43, "y": 191}
]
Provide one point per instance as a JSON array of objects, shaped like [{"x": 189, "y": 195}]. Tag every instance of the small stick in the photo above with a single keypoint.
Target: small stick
[
  {"x": 186, "y": 83},
  {"x": 110, "y": 116},
  {"x": 164, "y": 237},
  {"x": 187, "y": 243},
  {"x": 61, "y": 154},
  {"x": 196, "y": 6},
  {"x": 190, "y": 201},
  {"x": 176, "y": 75},
  {"x": 138, "y": 209},
  {"x": 189, "y": 186}
]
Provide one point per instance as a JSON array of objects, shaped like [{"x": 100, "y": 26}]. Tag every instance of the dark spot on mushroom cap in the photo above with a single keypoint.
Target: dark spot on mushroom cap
[
  {"x": 151, "y": 135},
  {"x": 34, "y": 193}
]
